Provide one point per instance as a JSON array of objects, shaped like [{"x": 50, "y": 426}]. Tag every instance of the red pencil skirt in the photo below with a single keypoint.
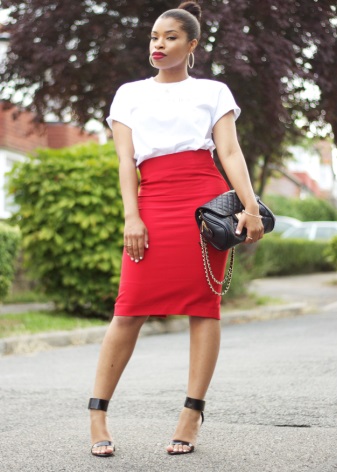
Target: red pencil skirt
[{"x": 170, "y": 280}]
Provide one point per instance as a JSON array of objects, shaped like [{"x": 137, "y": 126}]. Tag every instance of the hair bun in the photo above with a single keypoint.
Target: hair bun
[{"x": 193, "y": 8}]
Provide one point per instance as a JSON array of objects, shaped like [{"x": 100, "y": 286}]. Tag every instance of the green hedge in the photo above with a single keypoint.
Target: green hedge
[
  {"x": 9, "y": 245},
  {"x": 71, "y": 219},
  {"x": 243, "y": 270},
  {"x": 277, "y": 256},
  {"x": 274, "y": 256},
  {"x": 331, "y": 252},
  {"x": 308, "y": 209}
]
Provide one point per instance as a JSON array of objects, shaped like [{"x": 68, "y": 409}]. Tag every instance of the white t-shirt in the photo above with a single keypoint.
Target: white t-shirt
[{"x": 166, "y": 118}]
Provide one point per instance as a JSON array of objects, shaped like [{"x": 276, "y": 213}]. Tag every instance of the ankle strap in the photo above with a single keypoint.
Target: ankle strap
[
  {"x": 98, "y": 404},
  {"x": 194, "y": 404}
]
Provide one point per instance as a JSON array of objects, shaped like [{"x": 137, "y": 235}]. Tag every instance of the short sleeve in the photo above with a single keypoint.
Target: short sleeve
[
  {"x": 120, "y": 109},
  {"x": 225, "y": 104}
]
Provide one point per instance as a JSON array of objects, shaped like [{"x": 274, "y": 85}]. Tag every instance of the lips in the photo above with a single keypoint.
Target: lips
[{"x": 158, "y": 55}]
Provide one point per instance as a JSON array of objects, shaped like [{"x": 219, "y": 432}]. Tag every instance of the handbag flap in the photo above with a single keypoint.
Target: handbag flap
[{"x": 225, "y": 204}]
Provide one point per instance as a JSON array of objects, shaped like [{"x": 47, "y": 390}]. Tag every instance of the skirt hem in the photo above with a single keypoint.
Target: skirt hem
[{"x": 162, "y": 315}]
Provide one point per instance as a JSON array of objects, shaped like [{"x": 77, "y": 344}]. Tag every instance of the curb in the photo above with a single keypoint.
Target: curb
[{"x": 28, "y": 344}]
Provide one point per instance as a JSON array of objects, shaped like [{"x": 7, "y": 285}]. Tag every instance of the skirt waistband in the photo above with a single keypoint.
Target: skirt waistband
[{"x": 189, "y": 173}]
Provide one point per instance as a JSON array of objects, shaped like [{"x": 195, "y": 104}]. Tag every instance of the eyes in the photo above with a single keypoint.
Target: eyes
[{"x": 169, "y": 38}]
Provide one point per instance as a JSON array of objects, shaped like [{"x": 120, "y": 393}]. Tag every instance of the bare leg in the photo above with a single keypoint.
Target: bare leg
[
  {"x": 117, "y": 348},
  {"x": 204, "y": 350}
]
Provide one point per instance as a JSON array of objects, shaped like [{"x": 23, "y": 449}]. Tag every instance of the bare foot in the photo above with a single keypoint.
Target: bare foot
[
  {"x": 187, "y": 430},
  {"x": 99, "y": 432}
]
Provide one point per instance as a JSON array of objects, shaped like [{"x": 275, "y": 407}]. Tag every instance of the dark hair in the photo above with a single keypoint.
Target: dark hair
[{"x": 189, "y": 15}]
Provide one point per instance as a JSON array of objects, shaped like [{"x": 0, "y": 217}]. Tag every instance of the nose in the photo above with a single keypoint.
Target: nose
[{"x": 159, "y": 43}]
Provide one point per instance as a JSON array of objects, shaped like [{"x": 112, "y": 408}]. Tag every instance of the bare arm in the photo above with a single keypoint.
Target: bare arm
[
  {"x": 135, "y": 232},
  {"x": 234, "y": 164}
]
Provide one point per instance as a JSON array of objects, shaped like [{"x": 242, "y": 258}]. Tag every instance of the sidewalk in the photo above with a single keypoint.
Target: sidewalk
[
  {"x": 316, "y": 290},
  {"x": 14, "y": 308},
  {"x": 294, "y": 295}
]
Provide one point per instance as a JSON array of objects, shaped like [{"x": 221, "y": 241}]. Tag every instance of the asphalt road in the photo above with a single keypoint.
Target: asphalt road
[{"x": 271, "y": 407}]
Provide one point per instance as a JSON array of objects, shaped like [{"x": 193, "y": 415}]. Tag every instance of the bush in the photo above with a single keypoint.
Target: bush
[
  {"x": 331, "y": 252},
  {"x": 277, "y": 256},
  {"x": 71, "y": 218},
  {"x": 308, "y": 209},
  {"x": 242, "y": 274},
  {"x": 9, "y": 245}
]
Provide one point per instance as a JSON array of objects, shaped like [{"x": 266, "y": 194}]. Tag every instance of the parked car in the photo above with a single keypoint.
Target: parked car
[
  {"x": 313, "y": 231},
  {"x": 283, "y": 223}
]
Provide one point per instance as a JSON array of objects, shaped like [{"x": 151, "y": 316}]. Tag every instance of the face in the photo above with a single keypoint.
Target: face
[{"x": 169, "y": 45}]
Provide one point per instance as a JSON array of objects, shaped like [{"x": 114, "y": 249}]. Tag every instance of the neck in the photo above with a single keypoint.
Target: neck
[{"x": 171, "y": 75}]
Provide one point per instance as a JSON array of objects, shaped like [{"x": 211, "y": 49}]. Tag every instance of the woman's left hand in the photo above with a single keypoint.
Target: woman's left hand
[{"x": 254, "y": 227}]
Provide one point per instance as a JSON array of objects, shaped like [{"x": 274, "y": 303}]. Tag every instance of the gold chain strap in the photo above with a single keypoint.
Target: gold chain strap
[{"x": 208, "y": 271}]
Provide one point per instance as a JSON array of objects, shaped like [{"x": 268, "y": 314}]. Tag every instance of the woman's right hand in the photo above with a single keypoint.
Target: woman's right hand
[{"x": 136, "y": 238}]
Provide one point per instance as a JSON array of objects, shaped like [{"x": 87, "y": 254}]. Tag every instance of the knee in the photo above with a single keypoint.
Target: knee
[
  {"x": 203, "y": 320},
  {"x": 129, "y": 322}
]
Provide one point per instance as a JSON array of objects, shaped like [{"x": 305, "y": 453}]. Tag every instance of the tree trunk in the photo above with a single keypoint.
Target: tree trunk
[{"x": 263, "y": 176}]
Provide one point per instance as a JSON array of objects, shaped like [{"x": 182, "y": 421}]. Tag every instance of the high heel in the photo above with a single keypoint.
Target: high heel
[
  {"x": 193, "y": 404},
  {"x": 99, "y": 404}
]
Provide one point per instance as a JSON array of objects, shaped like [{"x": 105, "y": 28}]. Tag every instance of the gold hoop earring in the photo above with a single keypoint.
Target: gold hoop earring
[
  {"x": 151, "y": 62},
  {"x": 190, "y": 65}
]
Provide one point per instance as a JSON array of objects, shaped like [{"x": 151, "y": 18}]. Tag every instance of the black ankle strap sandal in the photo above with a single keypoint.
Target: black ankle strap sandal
[
  {"x": 99, "y": 404},
  {"x": 193, "y": 404}
]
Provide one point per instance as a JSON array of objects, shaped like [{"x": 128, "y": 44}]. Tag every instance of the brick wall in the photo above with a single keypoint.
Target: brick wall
[
  {"x": 18, "y": 133},
  {"x": 60, "y": 135}
]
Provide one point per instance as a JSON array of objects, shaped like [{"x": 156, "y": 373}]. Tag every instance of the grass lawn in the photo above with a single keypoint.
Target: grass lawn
[
  {"x": 27, "y": 296},
  {"x": 38, "y": 322},
  {"x": 248, "y": 301}
]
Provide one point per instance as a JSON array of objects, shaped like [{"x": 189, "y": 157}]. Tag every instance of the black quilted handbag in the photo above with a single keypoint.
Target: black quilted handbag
[{"x": 217, "y": 221}]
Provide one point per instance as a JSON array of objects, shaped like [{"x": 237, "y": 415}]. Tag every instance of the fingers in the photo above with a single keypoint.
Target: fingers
[
  {"x": 254, "y": 229},
  {"x": 239, "y": 228},
  {"x": 253, "y": 237},
  {"x": 135, "y": 247},
  {"x": 146, "y": 240}
]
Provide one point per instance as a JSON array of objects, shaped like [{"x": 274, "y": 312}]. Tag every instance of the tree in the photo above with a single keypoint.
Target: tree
[
  {"x": 324, "y": 70},
  {"x": 77, "y": 54}
]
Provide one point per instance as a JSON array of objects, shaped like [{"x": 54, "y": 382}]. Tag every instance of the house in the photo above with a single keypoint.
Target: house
[
  {"x": 311, "y": 172},
  {"x": 20, "y": 136}
]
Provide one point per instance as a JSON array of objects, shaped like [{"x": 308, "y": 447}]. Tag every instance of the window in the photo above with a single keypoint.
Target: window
[{"x": 325, "y": 232}]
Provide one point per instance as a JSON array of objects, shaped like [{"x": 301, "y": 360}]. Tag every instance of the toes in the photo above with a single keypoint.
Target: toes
[
  {"x": 179, "y": 448},
  {"x": 103, "y": 450}
]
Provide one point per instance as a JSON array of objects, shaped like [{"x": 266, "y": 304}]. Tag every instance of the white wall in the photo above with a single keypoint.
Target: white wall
[{"x": 7, "y": 159}]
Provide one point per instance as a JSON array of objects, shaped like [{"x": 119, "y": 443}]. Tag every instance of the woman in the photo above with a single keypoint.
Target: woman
[{"x": 168, "y": 126}]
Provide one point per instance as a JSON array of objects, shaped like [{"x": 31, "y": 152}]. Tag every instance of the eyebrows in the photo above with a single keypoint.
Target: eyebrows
[{"x": 166, "y": 32}]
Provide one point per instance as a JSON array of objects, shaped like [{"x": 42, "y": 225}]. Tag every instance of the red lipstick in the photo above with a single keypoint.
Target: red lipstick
[{"x": 158, "y": 55}]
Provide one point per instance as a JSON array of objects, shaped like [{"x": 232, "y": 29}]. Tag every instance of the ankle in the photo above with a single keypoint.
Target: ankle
[
  {"x": 99, "y": 427},
  {"x": 191, "y": 413},
  {"x": 189, "y": 418},
  {"x": 97, "y": 415}
]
